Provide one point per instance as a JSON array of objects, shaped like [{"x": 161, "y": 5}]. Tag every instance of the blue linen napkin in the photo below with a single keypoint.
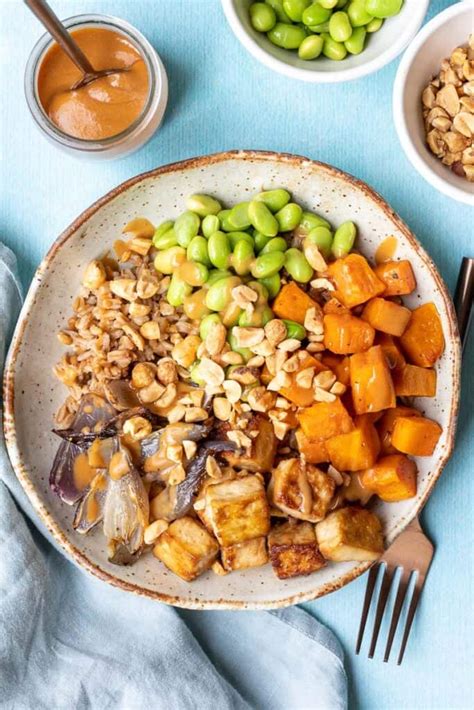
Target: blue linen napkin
[{"x": 68, "y": 640}]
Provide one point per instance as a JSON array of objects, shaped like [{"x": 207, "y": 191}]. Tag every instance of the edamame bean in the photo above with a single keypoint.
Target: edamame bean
[
  {"x": 275, "y": 244},
  {"x": 322, "y": 237},
  {"x": 168, "y": 260},
  {"x": 274, "y": 199},
  {"x": 319, "y": 29},
  {"x": 166, "y": 240},
  {"x": 245, "y": 352},
  {"x": 289, "y": 217},
  {"x": 239, "y": 216},
  {"x": 315, "y": 14},
  {"x": 328, "y": 4},
  {"x": 203, "y": 205},
  {"x": 297, "y": 266},
  {"x": 286, "y": 36},
  {"x": 242, "y": 257},
  {"x": 236, "y": 237},
  {"x": 358, "y": 15},
  {"x": 344, "y": 239},
  {"x": 333, "y": 50},
  {"x": 340, "y": 28},
  {"x": 261, "y": 292},
  {"x": 277, "y": 6},
  {"x": 186, "y": 227},
  {"x": 162, "y": 229},
  {"x": 257, "y": 319},
  {"x": 260, "y": 240},
  {"x": 294, "y": 330},
  {"x": 355, "y": 43},
  {"x": 231, "y": 314},
  {"x": 216, "y": 275},
  {"x": 294, "y": 8},
  {"x": 262, "y": 219},
  {"x": 311, "y": 47},
  {"x": 374, "y": 25},
  {"x": 194, "y": 305},
  {"x": 207, "y": 324},
  {"x": 272, "y": 284},
  {"x": 197, "y": 251},
  {"x": 218, "y": 247},
  {"x": 341, "y": 4},
  {"x": 210, "y": 224},
  {"x": 310, "y": 220},
  {"x": 177, "y": 291},
  {"x": 267, "y": 264},
  {"x": 383, "y": 8},
  {"x": 262, "y": 16},
  {"x": 224, "y": 220},
  {"x": 219, "y": 294},
  {"x": 193, "y": 273},
  {"x": 195, "y": 375}
]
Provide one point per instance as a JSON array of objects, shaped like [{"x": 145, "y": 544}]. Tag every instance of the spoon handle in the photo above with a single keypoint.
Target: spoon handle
[
  {"x": 57, "y": 30},
  {"x": 464, "y": 295}
]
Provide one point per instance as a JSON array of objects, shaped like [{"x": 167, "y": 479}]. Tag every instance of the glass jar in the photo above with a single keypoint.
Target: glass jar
[{"x": 139, "y": 132}]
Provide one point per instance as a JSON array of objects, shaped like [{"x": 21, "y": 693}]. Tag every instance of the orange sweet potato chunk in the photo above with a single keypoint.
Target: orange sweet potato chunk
[
  {"x": 356, "y": 450},
  {"x": 414, "y": 381},
  {"x": 344, "y": 334},
  {"x": 393, "y": 478},
  {"x": 302, "y": 396},
  {"x": 334, "y": 306},
  {"x": 391, "y": 350},
  {"x": 386, "y": 424},
  {"x": 417, "y": 436},
  {"x": 292, "y": 303},
  {"x": 355, "y": 280},
  {"x": 371, "y": 381},
  {"x": 314, "y": 450},
  {"x": 397, "y": 276},
  {"x": 386, "y": 316},
  {"x": 423, "y": 339},
  {"x": 339, "y": 365},
  {"x": 325, "y": 419}
]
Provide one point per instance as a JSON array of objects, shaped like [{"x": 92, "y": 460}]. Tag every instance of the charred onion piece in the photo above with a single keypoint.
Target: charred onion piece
[
  {"x": 111, "y": 428},
  {"x": 175, "y": 434},
  {"x": 90, "y": 509},
  {"x": 121, "y": 395}
]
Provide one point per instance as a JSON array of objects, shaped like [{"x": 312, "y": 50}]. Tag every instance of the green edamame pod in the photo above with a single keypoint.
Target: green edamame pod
[
  {"x": 162, "y": 229},
  {"x": 315, "y": 14},
  {"x": 203, "y": 205},
  {"x": 333, "y": 50},
  {"x": 168, "y": 260},
  {"x": 272, "y": 284},
  {"x": 289, "y": 217},
  {"x": 218, "y": 247},
  {"x": 310, "y": 220},
  {"x": 294, "y": 330},
  {"x": 355, "y": 43},
  {"x": 166, "y": 240},
  {"x": 267, "y": 264},
  {"x": 186, "y": 227},
  {"x": 262, "y": 219},
  {"x": 262, "y": 16},
  {"x": 274, "y": 199},
  {"x": 219, "y": 295},
  {"x": 216, "y": 275},
  {"x": 197, "y": 251},
  {"x": 277, "y": 7},
  {"x": 374, "y": 25},
  {"x": 245, "y": 352},
  {"x": 311, "y": 47},
  {"x": 383, "y": 8},
  {"x": 242, "y": 258},
  {"x": 275, "y": 244},
  {"x": 322, "y": 237},
  {"x": 358, "y": 15},
  {"x": 235, "y": 237},
  {"x": 210, "y": 224},
  {"x": 177, "y": 291},
  {"x": 239, "y": 217},
  {"x": 224, "y": 220},
  {"x": 286, "y": 36},
  {"x": 261, "y": 292},
  {"x": 297, "y": 266},
  {"x": 260, "y": 240},
  {"x": 344, "y": 239},
  {"x": 207, "y": 323},
  {"x": 294, "y": 8},
  {"x": 340, "y": 28}
]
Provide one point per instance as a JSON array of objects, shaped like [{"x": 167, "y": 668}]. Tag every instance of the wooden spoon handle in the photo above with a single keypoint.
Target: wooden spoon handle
[
  {"x": 463, "y": 297},
  {"x": 57, "y": 30}
]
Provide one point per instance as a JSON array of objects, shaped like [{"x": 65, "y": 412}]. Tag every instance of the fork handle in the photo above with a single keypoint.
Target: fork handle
[{"x": 463, "y": 297}]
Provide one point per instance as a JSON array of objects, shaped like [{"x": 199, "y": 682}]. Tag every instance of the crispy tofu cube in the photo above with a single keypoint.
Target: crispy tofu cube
[
  {"x": 301, "y": 490},
  {"x": 238, "y": 510},
  {"x": 350, "y": 534},
  {"x": 262, "y": 452},
  {"x": 293, "y": 550},
  {"x": 186, "y": 548},
  {"x": 243, "y": 555}
]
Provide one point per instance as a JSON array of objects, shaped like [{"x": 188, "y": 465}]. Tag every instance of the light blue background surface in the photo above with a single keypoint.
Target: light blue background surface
[{"x": 221, "y": 98}]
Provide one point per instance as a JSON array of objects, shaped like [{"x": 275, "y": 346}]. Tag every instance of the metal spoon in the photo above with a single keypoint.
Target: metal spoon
[{"x": 56, "y": 29}]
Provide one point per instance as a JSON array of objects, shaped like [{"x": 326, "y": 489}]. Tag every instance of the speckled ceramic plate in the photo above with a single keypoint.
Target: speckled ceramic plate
[{"x": 32, "y": 394}]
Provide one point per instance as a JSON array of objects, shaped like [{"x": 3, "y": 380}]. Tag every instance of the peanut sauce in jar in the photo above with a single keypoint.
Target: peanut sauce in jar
[{"x": 105, "y": 107}]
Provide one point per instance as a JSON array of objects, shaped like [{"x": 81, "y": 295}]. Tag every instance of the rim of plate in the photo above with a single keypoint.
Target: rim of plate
[{"x": 9, "y": 426}]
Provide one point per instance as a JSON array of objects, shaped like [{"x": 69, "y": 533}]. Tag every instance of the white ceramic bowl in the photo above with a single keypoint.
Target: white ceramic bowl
[
  {"x": 32, "y": 394},
  {"x": 381, "y": 48},
  {"x": 419, "y": 64}
]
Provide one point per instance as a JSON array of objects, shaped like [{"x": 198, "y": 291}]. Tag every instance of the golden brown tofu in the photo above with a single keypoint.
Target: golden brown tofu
[
  {"x": 238, "y": 510},
  {"x": 293, "y": 550},
  {"x": 243, "y": 555},
  {"x": 186, "y": 548},
  {"x": 262, "y": 451},
  {"x": 301, "y": 490},
  {"x": 350, "y": 534}
]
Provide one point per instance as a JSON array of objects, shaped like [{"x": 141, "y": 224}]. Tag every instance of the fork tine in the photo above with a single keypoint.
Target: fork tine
[
  {"x": 411, "y": 613},
  {"x": 383, "y": 596},
  {"x": 401, "y": 594},
  {"x": 374, "y": 570}
]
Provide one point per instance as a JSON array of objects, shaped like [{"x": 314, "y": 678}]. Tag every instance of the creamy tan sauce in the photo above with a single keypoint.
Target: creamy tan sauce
[{"x": 83, "y": 473}]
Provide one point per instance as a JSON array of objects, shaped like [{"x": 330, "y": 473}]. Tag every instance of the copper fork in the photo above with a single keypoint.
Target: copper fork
[{"x": 412, "y": 551}]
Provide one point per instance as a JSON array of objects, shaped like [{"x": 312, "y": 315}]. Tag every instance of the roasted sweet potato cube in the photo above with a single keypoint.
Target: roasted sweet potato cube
[
  {"x": 334, "y": 306},
  {"x": 344, "y": 334},
  {"x": 393, "y": 478},
  {"x": 292, "y": 303},
  {"x": 371, "y": 381},
  {"x": 423, "y": 339},
  {"x": 355, "y": 280},
  {"x": 391, "y": 350},
  {"x": 325, "y": 419},
  {"x": 350, "y": 534},
  {"x": 263, "y": 448},
  {"x": 293, "y": 550},
  {"x": 339, "y": 364},
  {"x": 356, "y": 450},
  {"x": 386, "y": 424},
  {"x": 414, "y": 381},
  {"x": 302, "y": 396},
  {"x": 386, "y": 316},
  {"x": 186, "y": 548},
  {"x": 238, "y": 510},
  {"x": 313, "y": 450},
  {"x": 397, "y": 276},
  {"x": 243, "y": 555},
  {"x": 301, "y": 490},
  {"x": 417, "y": 436}
]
